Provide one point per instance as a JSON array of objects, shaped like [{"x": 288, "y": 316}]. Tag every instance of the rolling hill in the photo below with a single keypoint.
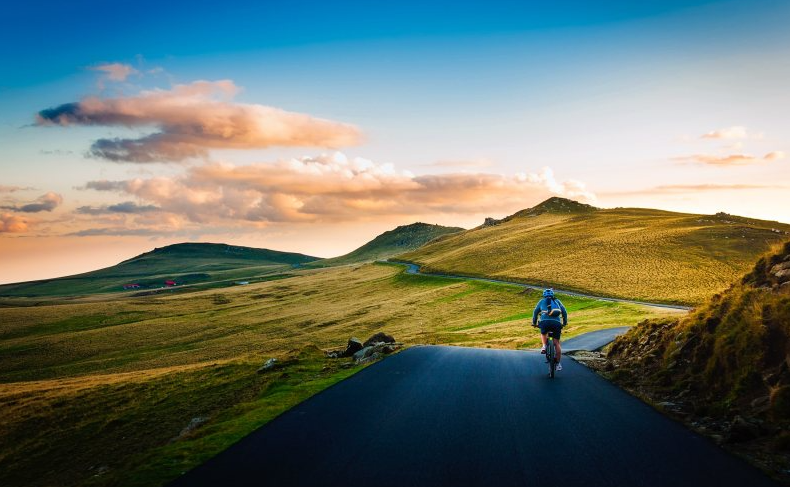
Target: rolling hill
[
  {"x": 184, "y": 263},
  {"x": 107, "y": 392},
  {"x": 391, "y": 243},
  {"x": 634, "y": 253}
]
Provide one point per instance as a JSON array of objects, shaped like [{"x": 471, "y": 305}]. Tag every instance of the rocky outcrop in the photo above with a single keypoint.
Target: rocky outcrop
[
  {"x": 372, "y": 349},
  {"x": 724, "y": 368},
  {"x": 490, "y": 222},
  {"x": 353, "y": 346},
  {"x": 379, "y": 337},
  {"x": 268, "y": 365}
]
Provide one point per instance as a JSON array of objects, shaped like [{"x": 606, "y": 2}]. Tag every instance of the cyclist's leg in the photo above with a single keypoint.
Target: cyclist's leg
[{"x": 557, "y": 347}]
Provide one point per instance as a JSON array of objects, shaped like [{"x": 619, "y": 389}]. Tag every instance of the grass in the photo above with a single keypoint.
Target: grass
[
  {"x": 390, "y": 243},
  {"x": 189, "y": 264},
  {"x": 640, "y": 254},
  {"x": 100, "y": 390},
  {"x": 727, "y": 358}
]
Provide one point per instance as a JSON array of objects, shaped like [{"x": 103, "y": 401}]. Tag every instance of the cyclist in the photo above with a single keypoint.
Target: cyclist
[{"x": 550, "y": 309}]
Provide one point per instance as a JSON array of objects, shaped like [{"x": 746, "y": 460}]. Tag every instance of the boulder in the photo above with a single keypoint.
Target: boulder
[
  {"x": 354, "y": 345},
  {"x": 741, "y": 430},
  {"x": 370, "y": 358},
  {"x": 268, "y": 365},
  {"x": 490, "y": 222},
  {"x": 379, "y": 337},
  {"x": 780, "y": 267},
  {"x": 390, "y": 347},
  {"x": 365, "y": 352},
  {"x": 761, "y": 405}
]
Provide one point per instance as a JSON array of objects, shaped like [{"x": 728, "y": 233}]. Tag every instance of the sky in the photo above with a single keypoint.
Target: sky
[{"x": 315, "y": 126}]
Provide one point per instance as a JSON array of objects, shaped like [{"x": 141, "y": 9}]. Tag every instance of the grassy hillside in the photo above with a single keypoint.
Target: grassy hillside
[
  {"x": 103, "y": 392},
  {"x": 623, "y": 252},
  {"x": 728, "y": 359},
  {"x": 185, "y": 263},
  {"x": 391, "y": 243}
]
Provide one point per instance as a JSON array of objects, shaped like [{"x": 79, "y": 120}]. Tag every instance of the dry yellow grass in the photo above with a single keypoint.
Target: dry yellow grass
[
  {"x": 639, "y": 254},
  {"x": 122, "y": 378}
]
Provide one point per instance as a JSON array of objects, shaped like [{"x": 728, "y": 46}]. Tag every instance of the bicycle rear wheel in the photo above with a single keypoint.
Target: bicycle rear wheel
[{"x": 551, "y": 356}]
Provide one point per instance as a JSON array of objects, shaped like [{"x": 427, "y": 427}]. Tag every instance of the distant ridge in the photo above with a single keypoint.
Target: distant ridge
[
  {"x": 192, "y": 250},
  {"x": 554, "y": 205},
  {"x": 634, "y": 253},
  {"x": 391, "y": 243},
  {"x": 183, "y": 263}
]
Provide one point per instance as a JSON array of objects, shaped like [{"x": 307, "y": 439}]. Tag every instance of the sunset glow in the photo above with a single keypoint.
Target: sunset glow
[{"x": 312, "y": 129}]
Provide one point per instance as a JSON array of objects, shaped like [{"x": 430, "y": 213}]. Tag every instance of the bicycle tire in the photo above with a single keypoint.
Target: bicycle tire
[{"x": 551, "y": 356}]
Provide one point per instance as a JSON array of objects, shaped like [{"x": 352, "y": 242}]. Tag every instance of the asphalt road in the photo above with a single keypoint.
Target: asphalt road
[
  {"x": 415, "y": 269},
  {"x": 594, "y": 340},
  {"x": 452, "y": 416}
]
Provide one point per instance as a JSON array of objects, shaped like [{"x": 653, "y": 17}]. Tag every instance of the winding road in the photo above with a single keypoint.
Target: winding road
[
  {"x": 415, "y": 269},
  {"x": 453, "y": 416}
]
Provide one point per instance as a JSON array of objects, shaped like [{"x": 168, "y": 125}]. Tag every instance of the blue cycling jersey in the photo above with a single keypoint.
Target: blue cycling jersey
[{"x": 542, "y": 310}]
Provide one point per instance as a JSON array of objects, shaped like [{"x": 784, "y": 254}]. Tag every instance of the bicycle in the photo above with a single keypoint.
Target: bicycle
[{"x": 551, "y": 354}]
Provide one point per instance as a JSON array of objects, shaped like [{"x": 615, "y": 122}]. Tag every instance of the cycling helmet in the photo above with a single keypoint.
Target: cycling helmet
[{"x": 548, "y": 293}]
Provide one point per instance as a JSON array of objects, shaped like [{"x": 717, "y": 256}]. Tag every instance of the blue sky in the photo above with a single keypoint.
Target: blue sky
[{"x": 614, "y": 98}]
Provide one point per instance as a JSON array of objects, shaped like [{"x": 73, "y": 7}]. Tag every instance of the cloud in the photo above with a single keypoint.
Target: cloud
[
  {"x": 128, "y": 207},
  {"x": 192, "y": 119},
  {"x": 712, "y": 187},
  {"x": 118, "y": 232},
  {"x": 730, "y": 159},
  {"x": 45, "y": 202},
  {"x": 14, "y": 189},
  {"x": 335, "y": 188},
  {"x": 734, "y": 132},
  {"x": 471, "y": 163},
  {"x": 12, "y": 223},
  {"x": 115, "y": 71},
  {"x": 695, "y": 188}
]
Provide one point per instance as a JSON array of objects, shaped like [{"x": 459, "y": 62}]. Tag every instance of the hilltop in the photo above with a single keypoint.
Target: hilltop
[
  {"x": 184, "y": 263},
  {"x": 391, "y": 243},
  {"x": 635, "y": 253},
  {"x": 726, "y": 365}
]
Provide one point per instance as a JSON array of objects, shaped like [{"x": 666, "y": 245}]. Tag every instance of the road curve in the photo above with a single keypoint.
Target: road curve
[
  {"x": 593, "y": 340},
  {"x": 453, "y": 416},
  {"x": 415, "y": 269}
]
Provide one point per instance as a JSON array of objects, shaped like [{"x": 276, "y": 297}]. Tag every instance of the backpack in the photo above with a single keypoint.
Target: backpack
[{"x": 552, "y": 313}]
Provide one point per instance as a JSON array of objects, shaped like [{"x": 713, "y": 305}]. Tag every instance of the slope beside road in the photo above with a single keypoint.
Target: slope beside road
[
  {"x": 415, "y": 269},
  {"x": 436, "y": 416}
]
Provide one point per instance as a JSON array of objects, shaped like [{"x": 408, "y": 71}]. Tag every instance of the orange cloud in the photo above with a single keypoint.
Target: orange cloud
[
  {"x": 12, "y": 224},
  {"x": 13, "y": 189},
  {"x": 192, "y": 119},
  {"x": 695, "y": 188},
  {"x": 734, "y": 132},
  {"x": 730, "y": 159},
  {"x": 335, "y": 188},
  {"x": 115, "y": 71}
]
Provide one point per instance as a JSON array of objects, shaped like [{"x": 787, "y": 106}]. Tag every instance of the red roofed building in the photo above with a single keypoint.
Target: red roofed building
[{"x": 170, "y": 283}]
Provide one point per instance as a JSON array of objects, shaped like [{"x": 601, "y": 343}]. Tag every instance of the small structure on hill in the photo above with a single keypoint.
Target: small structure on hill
[
  {"x": 131, "y": 286},
  {"x": 170, "y": 283}
]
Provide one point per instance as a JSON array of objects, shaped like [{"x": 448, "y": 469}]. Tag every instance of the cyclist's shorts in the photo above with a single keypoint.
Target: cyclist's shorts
[{"x": 551, "y": 325}]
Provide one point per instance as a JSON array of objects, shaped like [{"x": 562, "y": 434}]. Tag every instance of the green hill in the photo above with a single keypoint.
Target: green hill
[
  {"x": 725, "y": 365},
  {"x": 184, "y": 263},
  {"x": 633, "y": 253},
  {"x": 391, "y": 243}
]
